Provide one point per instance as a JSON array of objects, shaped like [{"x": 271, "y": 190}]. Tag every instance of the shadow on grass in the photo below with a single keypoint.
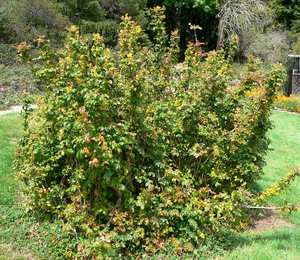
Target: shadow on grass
[{"x": 270, "y": 244}]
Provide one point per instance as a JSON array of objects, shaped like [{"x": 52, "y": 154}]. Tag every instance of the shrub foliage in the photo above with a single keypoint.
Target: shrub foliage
[{"x": 135, "y": 153}]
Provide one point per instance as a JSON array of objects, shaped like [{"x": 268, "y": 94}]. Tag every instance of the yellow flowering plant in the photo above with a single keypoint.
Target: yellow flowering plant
[{"x": 290, "y": 103}]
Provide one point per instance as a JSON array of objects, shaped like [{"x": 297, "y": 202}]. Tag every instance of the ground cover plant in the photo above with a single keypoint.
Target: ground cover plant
[
  {"x": 12, "y": 81},
  {"x": 136, "y": 155}
]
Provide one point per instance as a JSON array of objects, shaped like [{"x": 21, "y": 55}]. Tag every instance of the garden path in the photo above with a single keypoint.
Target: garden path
[{"x": 13, "y": 109}]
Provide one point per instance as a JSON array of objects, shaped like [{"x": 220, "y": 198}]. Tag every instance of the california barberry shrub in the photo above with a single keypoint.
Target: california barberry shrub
[{"x": 135, "y": 153}]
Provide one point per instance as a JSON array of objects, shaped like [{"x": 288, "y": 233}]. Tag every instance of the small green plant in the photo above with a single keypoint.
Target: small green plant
[{"x": 136, "y": 155}]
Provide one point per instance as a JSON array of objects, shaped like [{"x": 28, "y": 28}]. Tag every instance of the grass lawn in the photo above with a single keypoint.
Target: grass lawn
[
  {"x": 268, "y": 245},
  {"x": 283, "y": 157},
  {"x": 22, "y": 237},
  {"x": 10, "y": 130}
]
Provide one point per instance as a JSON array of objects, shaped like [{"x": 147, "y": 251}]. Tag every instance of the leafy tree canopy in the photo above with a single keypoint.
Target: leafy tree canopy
[
  {"x": 287, "y": 11},
  {"x": 209, "y": 6}
]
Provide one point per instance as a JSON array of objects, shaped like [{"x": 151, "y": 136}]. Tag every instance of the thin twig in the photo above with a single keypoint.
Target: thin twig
[{"x": 261, "y": 207}]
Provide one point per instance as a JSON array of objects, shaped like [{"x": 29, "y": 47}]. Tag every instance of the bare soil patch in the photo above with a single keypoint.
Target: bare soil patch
[
  {"x": 14, "y": 254},
  {"x": 271, "y": 220}
]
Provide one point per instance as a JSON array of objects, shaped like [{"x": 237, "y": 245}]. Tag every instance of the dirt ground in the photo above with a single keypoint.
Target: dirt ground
[{"x": 270, "y": 221}]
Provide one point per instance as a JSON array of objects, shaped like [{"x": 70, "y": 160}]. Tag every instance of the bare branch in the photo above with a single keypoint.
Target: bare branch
[{"x": 237, "y": 16}]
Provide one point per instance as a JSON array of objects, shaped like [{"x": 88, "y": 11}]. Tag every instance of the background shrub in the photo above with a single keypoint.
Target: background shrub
[
  {"x": 296, "y": 45},
  {"x": 14, "y": 78},
  {"x": 24, "y": 20},
  {"x": 271, "y": 47},
  {"x": 137, "y": 155}
]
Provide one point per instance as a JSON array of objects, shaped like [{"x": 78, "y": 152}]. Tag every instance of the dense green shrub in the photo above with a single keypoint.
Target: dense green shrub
[{"x": 135, "y": 154}]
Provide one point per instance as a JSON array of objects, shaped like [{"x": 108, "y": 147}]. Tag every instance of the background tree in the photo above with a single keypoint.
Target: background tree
[
  {"x": 102, "y": 16},
  {"x": 288, "y": 17},
  {"x": 239, "y": 16},
  {"x": 287, "y": 12},
  {"x": 179, "y": 14}
]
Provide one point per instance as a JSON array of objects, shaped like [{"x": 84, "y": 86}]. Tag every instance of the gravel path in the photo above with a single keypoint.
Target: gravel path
[{"x": 13, "y": 109}]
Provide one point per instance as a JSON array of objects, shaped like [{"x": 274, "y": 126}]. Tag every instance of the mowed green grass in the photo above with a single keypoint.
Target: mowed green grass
[
  {"x": 271, "y": 244},
  {"x": 267, "y": 245},
  {"x": 21, "y": 235},
  {"x": 283, "y": 157},
  {"x": 10, "y": 131}
]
